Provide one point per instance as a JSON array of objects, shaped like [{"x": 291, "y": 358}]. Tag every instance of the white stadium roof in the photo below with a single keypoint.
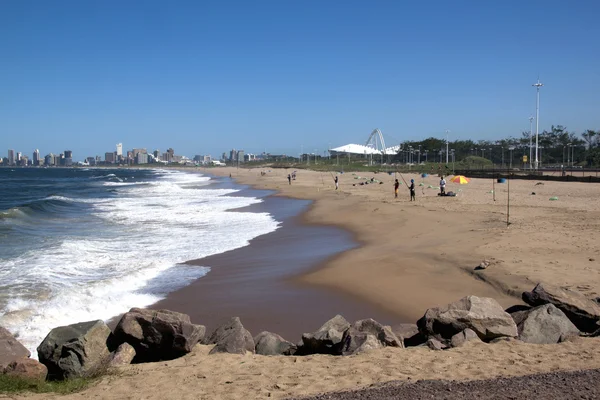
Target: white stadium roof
[{"x": 361, "y": 149}]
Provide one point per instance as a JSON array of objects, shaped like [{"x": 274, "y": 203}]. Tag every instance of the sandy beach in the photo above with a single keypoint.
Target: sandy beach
[{"x": 412, "y": 256}]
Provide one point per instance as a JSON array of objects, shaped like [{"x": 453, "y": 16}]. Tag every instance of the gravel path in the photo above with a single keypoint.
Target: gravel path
[{"x": 551, "y": 386}]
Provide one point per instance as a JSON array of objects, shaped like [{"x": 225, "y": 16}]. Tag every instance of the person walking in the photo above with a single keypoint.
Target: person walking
[
  {"x": 289, "y": 179},
  {"x": 336, "y": 183},
  {"x": 412, "y": 190},
  {"x": 396, "y": 186},
  {"x": 443, "y": 186}
]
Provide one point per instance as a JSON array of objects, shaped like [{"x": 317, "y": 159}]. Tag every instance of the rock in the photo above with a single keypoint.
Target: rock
[
  {"x": 158, "y": 334},
  {"x": 357, "y": 337},
  {"x": 545, "y": 325},
  {"x": 518, "y": 312},
  {"x": 327, "y": 339},
  {"x": 463, "y": 337},
  {"x": 271, "y": 344},
  {"x": 10, "y": 348},
  {"x": 583, "y": 312},
  {"x": 74, "y": 351},
  {"x": 481, "y": 314},
  {"x": 435, "y": 344},
  {"x": 25, "y": 368},
  {"x": 410, "y": 334},
  {"x": 484, "y": 264},
  {"x": 124, "y": 354},
  {"x": 231, "y": 337}
]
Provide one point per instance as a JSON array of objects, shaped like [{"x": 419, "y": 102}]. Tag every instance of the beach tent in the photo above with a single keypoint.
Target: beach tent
[{"x": 460, "y": 179}]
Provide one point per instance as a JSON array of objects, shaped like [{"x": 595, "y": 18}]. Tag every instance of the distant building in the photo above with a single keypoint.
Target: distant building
[
  {"x": 36, "y": 157},
  {"x": 91, "y": 161},
  {"x": 207, "y": 159},
  {"x": 24, "y": 161},
  {"x": 198, "y": 158},
  {"x": 240, "y": 156},
  {"x": 119, "y": 150},
  {"x": 224, "y": 157},
  {"x": 11, "y": 157},
  {"x": 18, "y": 158},
  {"x": 157, "y": 154},
  {"x": 233, "y": 155},
  {"x": 68, "y": 161},
  {"x": 141, "y": 157},
  {"x": 109, "y": 158},
  {"x": 137, "y": 151},
  {"x": 57, "y": 159},
  {"x": 49, "y": 160}
]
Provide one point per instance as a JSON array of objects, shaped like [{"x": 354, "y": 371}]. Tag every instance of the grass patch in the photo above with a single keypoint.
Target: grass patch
[{"x": 10, "y": 384}]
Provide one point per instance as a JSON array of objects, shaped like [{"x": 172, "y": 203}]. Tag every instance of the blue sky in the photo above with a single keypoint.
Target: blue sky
[{"x": 204, "y": 77}]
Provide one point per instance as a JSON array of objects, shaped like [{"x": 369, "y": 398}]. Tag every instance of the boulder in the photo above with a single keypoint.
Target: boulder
[
  {"x": 158, "y": 334},
  {"x": 231, "y": 337},
  {"x": 481, "y": 314},
  {"x": 518, "y": 313},
  {"x": 410, "y": 334},
  {"x": 25, "y": 368},
  {"x": 357, "y": 337},
  {"x": 435, "y": 344},
  {"x": 10, "y": 348},
  {"x": 544, "y": 325},
  {"x": 463, "y": 337},
  {"x": 74, "y": 351},
  {"x": 124, "y": 354},
  {"x": 583, "y": 312},
  {"x": 271, "y": 344},
  {"x": 327, "y": 339}
]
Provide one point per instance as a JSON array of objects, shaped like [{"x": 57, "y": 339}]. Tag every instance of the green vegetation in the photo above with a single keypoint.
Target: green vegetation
[{"x": 10, "y": 384}]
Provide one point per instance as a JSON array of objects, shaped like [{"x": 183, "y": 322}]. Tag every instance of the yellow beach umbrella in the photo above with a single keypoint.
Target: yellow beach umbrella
[{"x": 460, "y": 179}]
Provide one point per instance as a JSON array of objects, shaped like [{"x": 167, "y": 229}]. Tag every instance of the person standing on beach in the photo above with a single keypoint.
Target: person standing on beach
[
  {"x": 443, "y": 186},
  {"x": 412, "y": 190},
  {"x": 289, "y": 179},
  {"x": 396, "y": 186},
  {"x": 336, "y": 183}
]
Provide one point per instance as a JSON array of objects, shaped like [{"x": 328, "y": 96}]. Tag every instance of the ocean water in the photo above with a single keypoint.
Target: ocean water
[{"x": 84, "y": 244}]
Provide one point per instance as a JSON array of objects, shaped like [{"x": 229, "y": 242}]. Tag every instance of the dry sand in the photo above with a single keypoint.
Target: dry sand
[{"x": 413, "y": 256}]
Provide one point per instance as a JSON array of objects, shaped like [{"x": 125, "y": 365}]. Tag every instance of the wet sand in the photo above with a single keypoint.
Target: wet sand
[{"x": 256, "y": 282}]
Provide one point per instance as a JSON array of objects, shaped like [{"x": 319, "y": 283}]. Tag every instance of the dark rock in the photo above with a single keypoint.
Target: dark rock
[
  {"x": 481, "y": 314},
  {"x": 124, "y": 354},
  {"x": 10, "y": 348},
  {"x": 357, "y": 337},
  {"x": 158, "y": 334},
  {"x": 410, "y": 334},
  {"x": 435, "y": 344},
  {"x": 25, "y": 368},
  {"x": 327, "y": 339},
  {"x": 463, "y": 337},
  {"x": 583, "y": 312},
  {"x": 545, "y": 325},
  {"x": 271, "y": 344},
  {"x": 518, "y": 313},
  {"x": 231, "y": 337},
  {"x": 74, "y": 351}
]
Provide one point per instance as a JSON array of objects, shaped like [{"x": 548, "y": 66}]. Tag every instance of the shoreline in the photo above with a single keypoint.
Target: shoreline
[{"x": 258, "y": 282}]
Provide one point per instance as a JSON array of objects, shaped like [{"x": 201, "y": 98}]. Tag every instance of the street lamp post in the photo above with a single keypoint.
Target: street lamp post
[
  {"x": 572, "y": 155},
  {"x": 530, "y": 148},
  {"x": 447, "y": 131},
  {"x": 537, "y": 85},
  {"x": 568, "y": 153},
  {"x": 426, "y": 151},
  {"x": 511, "y": 155},
  {"x": 491, "y": 156},
  {"x": 452, "y": 150},
  {"x": 502, "y": 156}
]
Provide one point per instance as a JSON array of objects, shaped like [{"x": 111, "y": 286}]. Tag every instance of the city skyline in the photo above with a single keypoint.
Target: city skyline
[{"x": 286, "y": 76}]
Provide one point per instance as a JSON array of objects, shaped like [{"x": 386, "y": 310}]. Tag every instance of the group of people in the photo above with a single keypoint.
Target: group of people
[{"x": 412, "y": 188}]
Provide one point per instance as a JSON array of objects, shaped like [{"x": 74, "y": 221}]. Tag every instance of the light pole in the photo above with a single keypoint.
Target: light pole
[
  {"x": 530, "y": 136},
  {"x": 568, "y": 153},
  {"x": 502, "y": 156},
  {"x": 572, "y": 155},
  {"x": 511, "y": 155},
  {"x": 537, "y": 85},
  {"x": 426, "y": 151},
  {"x": 447, "y": 131},
  {"x": 452, "y": 150},
  {"x": 491, "y": 156}
]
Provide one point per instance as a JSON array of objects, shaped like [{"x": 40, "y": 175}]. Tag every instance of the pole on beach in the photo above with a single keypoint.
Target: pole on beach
[
  {"x": 494, "y": 187},
  {"x": 508, "y": 202}
]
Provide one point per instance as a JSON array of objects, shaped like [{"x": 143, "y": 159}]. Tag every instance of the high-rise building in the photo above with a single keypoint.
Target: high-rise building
[
  {"x": 68, "y": 158},
  {"x": 109, "y": 158},
  {"x": 119, "y": 150},
  {"x": 91, "y": 161},
  {"x": 24, "y": 161},
  {"x": 141, "y": 157},
  {"x": 18, "y": 158},
  {"x": 224, "y": 157},
  {"x": 11, "y": 157},
  {"x": 49, "y": 159},
  {"x": 240, "y": 156},
  {"x": 57, "y": 159},
  {"x": 36, "y": 157},
  {"x": 233, "y": 155},
  {"x": 156, "y": 154}
]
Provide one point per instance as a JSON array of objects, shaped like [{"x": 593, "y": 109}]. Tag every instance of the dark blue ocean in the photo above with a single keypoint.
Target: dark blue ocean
[{"x": 81, "y": 244}]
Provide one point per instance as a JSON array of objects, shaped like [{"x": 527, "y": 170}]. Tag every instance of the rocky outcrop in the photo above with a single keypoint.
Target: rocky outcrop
[
  {"x": 77, "y": 350},
  {"x": 231, "y": 337},
  {"x": 481, "y": 314},
  {"x": 10, "y": 348},
  {"x": 545, "y": 325},
  {"x": 25, "y": 368},
  {"x": 463, "y": 337},
  {"x": 271, "y": 344},
  {"x": 435, "y": 344},
  {"x": 583, "y": 312},
  {"x": 124, "y": 354},
  {"x": 327, "y": 339},
  {"x": 368, "y": 334},
  {"x": 158, "y": 334}
]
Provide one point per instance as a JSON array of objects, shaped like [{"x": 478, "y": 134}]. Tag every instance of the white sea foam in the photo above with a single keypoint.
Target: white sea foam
[{"x": 148, "y": 230}]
